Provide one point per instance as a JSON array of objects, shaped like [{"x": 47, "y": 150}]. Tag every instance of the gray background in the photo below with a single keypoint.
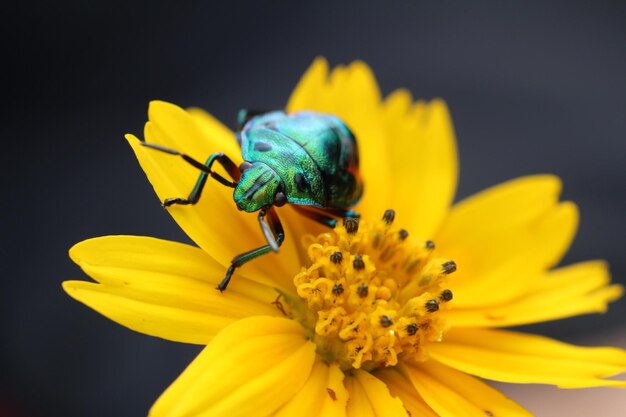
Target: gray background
[{"x": 532, "y": 87}]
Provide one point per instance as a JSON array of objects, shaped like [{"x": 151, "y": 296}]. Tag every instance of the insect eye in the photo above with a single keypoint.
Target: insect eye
[
  {"x": 280, "y": 199},
  {"x": 245, "y": 165}
]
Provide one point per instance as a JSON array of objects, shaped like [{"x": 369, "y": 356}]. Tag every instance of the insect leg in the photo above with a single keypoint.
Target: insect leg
[
  {"x": 324, "y": 216},
  {"x": 342, "y": 213},
  {"x": 275, "y": 235},
  {"x": 194, "y": 196}
]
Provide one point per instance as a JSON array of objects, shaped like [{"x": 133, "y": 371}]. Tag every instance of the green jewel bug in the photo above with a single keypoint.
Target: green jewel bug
[{"x": 306, "y": 159}]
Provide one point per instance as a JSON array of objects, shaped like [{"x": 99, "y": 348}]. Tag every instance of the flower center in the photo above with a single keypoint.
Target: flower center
[{"x": 371, "y": 294}]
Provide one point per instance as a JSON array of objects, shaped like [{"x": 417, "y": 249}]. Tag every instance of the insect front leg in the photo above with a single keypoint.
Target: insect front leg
[
  {"x": 274, "y": 234},
  {"x": 230, "y": 167}
]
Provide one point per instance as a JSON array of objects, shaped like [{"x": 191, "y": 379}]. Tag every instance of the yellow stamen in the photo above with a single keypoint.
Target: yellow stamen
[{"x": 372, "y": 293}]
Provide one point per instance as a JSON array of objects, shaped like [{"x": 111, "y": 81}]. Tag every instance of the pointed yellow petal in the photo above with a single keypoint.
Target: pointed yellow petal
[
  {"x": 251, "y": 368},
  {"x": 221, "y": 137},
  {"x": 369, "y": 396},
  {"x": 197, "y": 134},
  {"x": 454, "y": 394},
  {"x": 423, "y": 162},
  {"x": 323, "y": 394},
  {"x": 520, "y": 358},
  {"x": 311, "y": 87},
  {"x": 402, "y": 388},
  {"x": 214, "y": 222},
  {"x": 514, "y": 225},
  {"x": 162, "y": 288},
  {"x": 154, "y": 264},
  {"x": 154, "y": 317},
  {"x": 577, "y": 289}
]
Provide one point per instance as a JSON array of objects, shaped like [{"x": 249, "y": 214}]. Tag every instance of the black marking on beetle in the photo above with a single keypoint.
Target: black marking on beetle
[
  {"x": 386, "y": 321},
  {"x": 351, "y": 224},
  {"x": 431, "y": 306},
  {"x": 338, "y": 289},
  {"x": 362, "y": 290},
  {"x": 403, "y": 234},
  {"x": 301, "y": 183},
  {"x": 331, "y": 394},
  {"x": 488, "y": 413},
  {"x": 430, "y": 245},
  {"x": 412, "y": 328},
  {"x": 445, "y": 296},
  {"x": 262, "y": 147},
  {"x": 258, "y": 183},
  {"x": 389, "y": 216},
  {"x": 336, "y": 258},
  {"x": 449, "y": 267},
  {"x": 358, "y": 263}
]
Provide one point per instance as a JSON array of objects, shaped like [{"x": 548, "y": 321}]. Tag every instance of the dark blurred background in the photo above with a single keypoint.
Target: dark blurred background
[{"x": 532, "y": 88}]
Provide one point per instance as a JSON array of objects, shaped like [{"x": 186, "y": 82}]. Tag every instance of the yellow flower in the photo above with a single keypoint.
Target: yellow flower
[{"x": 371, "y": 318}]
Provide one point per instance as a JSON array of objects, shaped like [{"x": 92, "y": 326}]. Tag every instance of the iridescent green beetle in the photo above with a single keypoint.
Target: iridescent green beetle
[{"x": 307, "y": 159}]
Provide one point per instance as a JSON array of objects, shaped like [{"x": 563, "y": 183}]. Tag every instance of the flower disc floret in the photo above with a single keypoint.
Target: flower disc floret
[{"x": 372, "y": 293}]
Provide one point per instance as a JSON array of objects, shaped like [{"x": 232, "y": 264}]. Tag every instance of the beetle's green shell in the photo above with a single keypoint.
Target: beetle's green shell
[{"x": 315, "y": 155}]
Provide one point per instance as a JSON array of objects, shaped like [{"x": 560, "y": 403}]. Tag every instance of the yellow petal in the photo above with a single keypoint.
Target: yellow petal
[
  {"x": 214, "y": 222},
  {"x": 251, "y": 368},
  {"x": 402, "y": 388},
  {"x": 221, "y": 137},
  {"x": 520, "y": 358},
  {"x": 311, "y": 87},
  {"x": 423, "y": 162},
  {"x": 516, "y": 225},
  {"x": 577, "y": 289},
  {"x": 195, "y": 133},
  {"x": 151, "y": 317},
  {"x": 352, "y": 94},
  {"x": 454, "y": 394},
  {"x": 323, "y": 394},
  {"x": 369, "y": 396},
  {"x": 163, "y": 288}
]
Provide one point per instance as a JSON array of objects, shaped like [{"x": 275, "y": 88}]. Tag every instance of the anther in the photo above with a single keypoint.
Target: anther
[
  {"x": 449, "y": 267},
  {"x": 431, "y": 306},
  {"x": 351, "y": 224},
  {"x": 430, "y": 245},
  {"x": 358, "y": 263},
  {"x": 389, "y": 216},
  {"x": 403, "y": 234},
  {"x": 338, "y": 289},
  {"x": 445, "y": 296},
  {"x": 336, "y": 258},
  {"x": 412, "y": 328},
  {"x": 362, "y": 290},
  {"x": 386, "y": 321}
]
